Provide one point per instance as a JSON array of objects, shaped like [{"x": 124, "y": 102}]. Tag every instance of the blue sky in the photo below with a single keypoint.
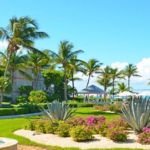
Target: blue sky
[{"x": 115, "y": 32}]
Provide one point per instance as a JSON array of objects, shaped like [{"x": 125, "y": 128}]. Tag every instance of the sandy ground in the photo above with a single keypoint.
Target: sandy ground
[
  {"x": 25, "y": 147},
  {"x": 99, "y": 142}
]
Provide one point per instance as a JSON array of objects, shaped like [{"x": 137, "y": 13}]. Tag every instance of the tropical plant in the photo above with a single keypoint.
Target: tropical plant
[
  {"x": 73, "y": 68},
  {"x": 104, "y": 78},
  {"x": 37, "y": 96},
  {"x": 81, "y": 133},
  {"x": 63, "y": 57},
  {"x": 58, "y": 111},
  {"x": 130, "y": 71},
  {"x": 4, "y": 84},
  {"x": 25, "y": 90},
  {"x": 20, "y": 33},
  {"x": 37, "y": 61},
  {"x": 122, "y": 87},
  {"x": 115, "y": 74},
  {"x": 89, "y": 68},
  {"x": 52, "y": 77},
  {"x": 137, "y": 114}
]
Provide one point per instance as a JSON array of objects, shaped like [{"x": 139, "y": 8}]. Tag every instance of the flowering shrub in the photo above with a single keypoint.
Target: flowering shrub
[
  {"x": 81, "y": 133},
  {"x": 63, "y": 129},
  {"x": 114, "y": 129},
  {"x": 119, "y": 122},
  {"x": 116, "y": 134},
  {"x": 94, "y": 120},
  {"x": 77, "y": 121},
  {"x": 144, "y": 137}
]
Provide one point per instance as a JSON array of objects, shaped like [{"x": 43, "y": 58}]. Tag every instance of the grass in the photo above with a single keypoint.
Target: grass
[
  {"x": 8, "y": 126},
  {"x": 89, "y": 111}
]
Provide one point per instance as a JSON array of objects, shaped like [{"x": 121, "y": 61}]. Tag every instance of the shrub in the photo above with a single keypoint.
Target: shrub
[
  {"x": 30, "y": 125},
  {"x": 13, "y": 111},
  {"x": 102, "y": 107},
  {"x": 37, "y": 96},
  {"x": 144, "y": 137},
  {"x": 117, "y": 134},
  {"x": 39, "y": 126},
  {"x": 63, "y": 129},
  {"x": 50, "y": 127},
  {"x": 81, "y": 133},
  {"x": 77, "y": 121},
  {"x": 21, "y": 99},
  {"x": 7, "y": 99},
  {"x": 25, "y": 90},
  {"x": 115, "y": 107},
  {"x": 32, "y": 108}
]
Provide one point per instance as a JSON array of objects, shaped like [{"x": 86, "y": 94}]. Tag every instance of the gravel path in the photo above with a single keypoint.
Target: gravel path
[{"x": 99, "y": 142}]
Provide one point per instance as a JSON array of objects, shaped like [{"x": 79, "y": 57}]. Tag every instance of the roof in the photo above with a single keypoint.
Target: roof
[{"x": 92, "y": 89}]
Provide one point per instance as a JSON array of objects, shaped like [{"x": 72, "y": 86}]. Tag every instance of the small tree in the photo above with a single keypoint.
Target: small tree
[
  {"x": 37, "y": 96},
  {"x": 4, "y": 84}
]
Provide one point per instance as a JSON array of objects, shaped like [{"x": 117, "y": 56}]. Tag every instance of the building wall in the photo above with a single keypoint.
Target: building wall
[{"x": 20, "y": 80}]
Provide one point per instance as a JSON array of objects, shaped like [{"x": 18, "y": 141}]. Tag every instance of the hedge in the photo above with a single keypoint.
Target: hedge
[{"x": 13, "y": 111}]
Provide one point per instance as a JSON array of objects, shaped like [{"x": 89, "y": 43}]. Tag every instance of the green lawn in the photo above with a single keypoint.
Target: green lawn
[
  {"x": 89, "y": 111},
  {"x": 8, "y": 126}
]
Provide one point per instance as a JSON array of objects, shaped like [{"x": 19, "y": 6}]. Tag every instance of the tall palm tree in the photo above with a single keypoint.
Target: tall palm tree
[
  {"x": 105, "y": 77},
  {"x": 20, "y": 33},
  {"x": 122, "y": 87},
  {"x": 74, "y": 67},
  {"x": 130, "y": 71},
  {"x": 17, "y": 63},
  {"x": 37, "y": 62},
  {"x": 115, "y": 74},
  {"x": 63, "y": 57},
  {"x": 89, "y": 68}
]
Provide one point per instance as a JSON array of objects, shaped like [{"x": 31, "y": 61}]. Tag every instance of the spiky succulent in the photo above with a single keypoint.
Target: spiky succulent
[
  {"x": 137, "y": 113},
  {"x": 58, "y": 111}
]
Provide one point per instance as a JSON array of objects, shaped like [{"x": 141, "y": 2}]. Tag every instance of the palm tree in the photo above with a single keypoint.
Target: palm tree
[
  {"x": 130, "y": 71},
  {"x": 104, "y": 82},
  {"x": 105, "y": 77},
  {"x": 115, "y": 74},
  {"x": 17, "y": 63},
  {"x": 37, "y": 62},
  {"x": 20, "y": 33},
  {"x": 74, "y": 67},
  {"x": 122, "y": 87},
  {"x": 63, "y": 57},
  {"x": 89, "y": 68}
]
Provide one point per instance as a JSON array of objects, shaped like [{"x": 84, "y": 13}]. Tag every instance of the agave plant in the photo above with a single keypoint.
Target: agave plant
[
  {"x": 137, "y": 113},
  {"x": 58, "y": 111}
]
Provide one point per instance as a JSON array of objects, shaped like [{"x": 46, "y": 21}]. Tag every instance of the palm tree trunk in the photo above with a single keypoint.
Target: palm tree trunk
[
  {"x": 105, "y": 88},
  {"x": 129, "y": 84},
  {"x": 65, "y": 85},
  {"x": 36, "y": 81},
  {"x": 1, "y": 99},
  {"x": 88, "y": 81},
  {"x": 9, "y": 58},
  {"x": 12, "y": 81},
  {"x": 113, "y": 89},
  {"x": 72, "y": 85}
]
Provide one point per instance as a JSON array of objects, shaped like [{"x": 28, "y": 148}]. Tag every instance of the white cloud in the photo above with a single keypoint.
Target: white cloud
[
  {"x": 119, "y": 65},
  {"x": 3, "y": 44}
]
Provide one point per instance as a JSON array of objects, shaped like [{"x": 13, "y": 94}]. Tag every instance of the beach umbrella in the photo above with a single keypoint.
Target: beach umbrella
[{"x": 126, "y": 93}]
